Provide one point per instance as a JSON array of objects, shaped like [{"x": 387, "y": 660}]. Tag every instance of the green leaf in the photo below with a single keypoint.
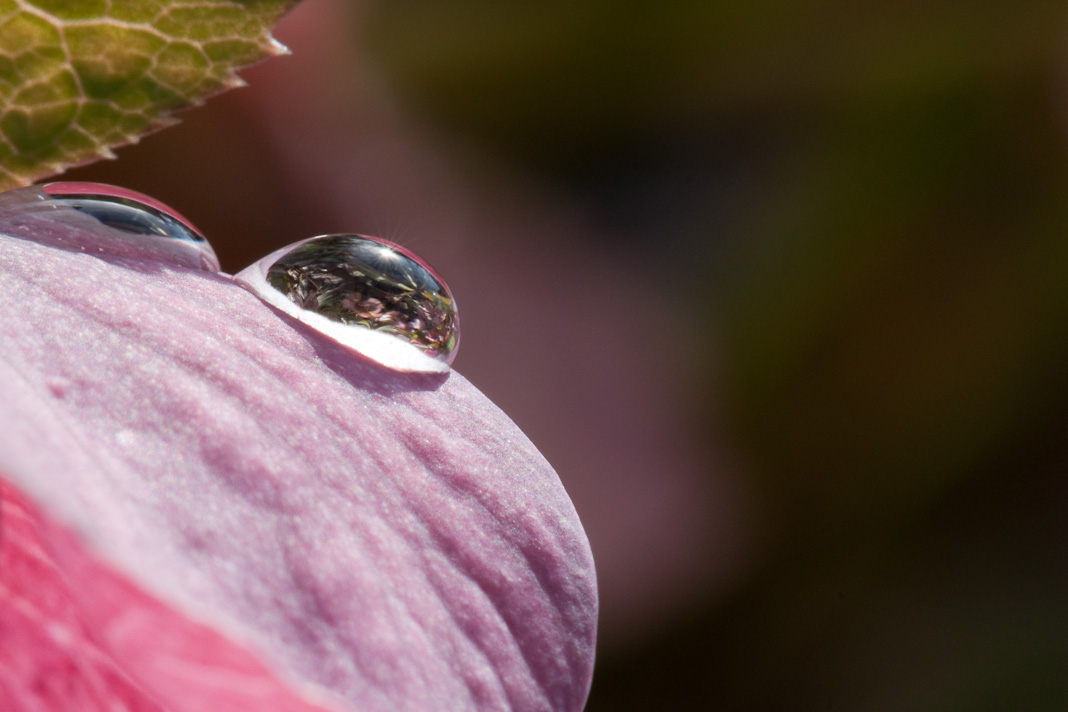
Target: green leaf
[{"x": 78, "y": 77}]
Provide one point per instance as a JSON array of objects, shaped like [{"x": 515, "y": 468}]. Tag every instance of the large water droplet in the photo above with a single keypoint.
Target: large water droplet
[
  {"x": 366, "y": 293},
  {"x": 112, "y": 220}
]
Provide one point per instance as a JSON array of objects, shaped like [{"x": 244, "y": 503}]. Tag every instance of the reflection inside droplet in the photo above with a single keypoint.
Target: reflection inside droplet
[
  {"x": 114, "y": 220},
  {"x": 369, "y": 294}
]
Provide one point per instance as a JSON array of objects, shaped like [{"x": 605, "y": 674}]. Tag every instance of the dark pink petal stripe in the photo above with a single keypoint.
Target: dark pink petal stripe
[{"x": 48, "y": 658}]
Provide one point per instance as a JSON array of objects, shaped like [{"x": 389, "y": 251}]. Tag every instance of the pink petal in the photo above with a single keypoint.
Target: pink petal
[
  {"x": 102, "y": 644},
  {"x": 258, "y": 514}
]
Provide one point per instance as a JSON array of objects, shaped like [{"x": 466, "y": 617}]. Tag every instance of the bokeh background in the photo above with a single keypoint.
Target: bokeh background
[{"x": 779, "y": 287}]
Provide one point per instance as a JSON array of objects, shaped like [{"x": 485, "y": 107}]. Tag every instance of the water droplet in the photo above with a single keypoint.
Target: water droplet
[
  {"x": 369, "y": 294},
  {"x": 116, "y": 220}
]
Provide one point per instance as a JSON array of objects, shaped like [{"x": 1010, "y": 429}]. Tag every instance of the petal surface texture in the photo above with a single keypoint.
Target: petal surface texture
[{"x": 231, "y": 512}]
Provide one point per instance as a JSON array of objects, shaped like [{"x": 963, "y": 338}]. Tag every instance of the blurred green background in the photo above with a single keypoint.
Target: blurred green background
[{"x": 848, "y": 221}]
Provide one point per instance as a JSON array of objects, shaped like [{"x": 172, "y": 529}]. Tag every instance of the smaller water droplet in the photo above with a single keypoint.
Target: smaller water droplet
[
  {"x": 117, "y": 220},
  {"x": 369, "y": 294}
]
